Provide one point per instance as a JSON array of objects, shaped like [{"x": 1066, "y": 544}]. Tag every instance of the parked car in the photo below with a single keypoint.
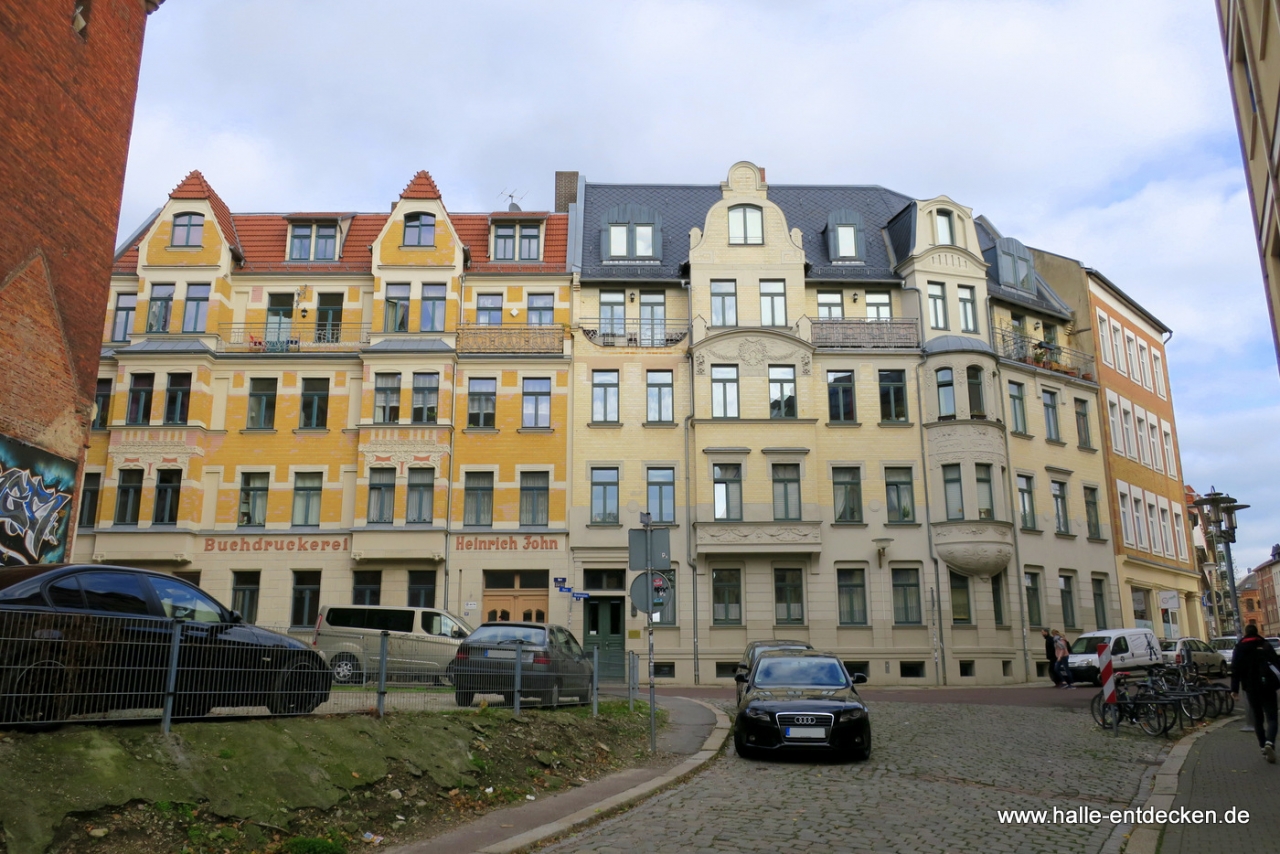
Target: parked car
[
  {"x": 552, "y": 664},
  {"x": 81, "y": 639},
  {"x": 420, "y": 643},
  {"x": 1225, "y": 645},
  {"x": 754, "y": 649},
  {"x": 1275, "y": 643},
  {"x": 1206, "y": 659},
  {"x": 801, "y": 700},
  {"x": 1131, "y": 649}
]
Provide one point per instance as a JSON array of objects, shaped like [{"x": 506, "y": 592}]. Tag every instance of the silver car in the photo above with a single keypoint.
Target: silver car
[
  {"x": 420, "y": 642},
  {"x": 1207, "y": 660}
]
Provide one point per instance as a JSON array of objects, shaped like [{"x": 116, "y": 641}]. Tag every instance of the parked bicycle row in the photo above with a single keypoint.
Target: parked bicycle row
[{"x": 1162, "y": 697}]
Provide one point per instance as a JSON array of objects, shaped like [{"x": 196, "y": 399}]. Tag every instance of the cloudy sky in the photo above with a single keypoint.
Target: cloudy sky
[{"x": 1098, "y": 130}]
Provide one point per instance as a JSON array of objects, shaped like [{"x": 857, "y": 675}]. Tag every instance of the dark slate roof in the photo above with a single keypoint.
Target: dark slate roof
[
  {"x": 1044, "y": 299},
  {"x": 684, "y": 207},
  {"x": 409, "y": 345},
  {"x": 957, "y": 343},
  {"x": 161, "y": 345}
]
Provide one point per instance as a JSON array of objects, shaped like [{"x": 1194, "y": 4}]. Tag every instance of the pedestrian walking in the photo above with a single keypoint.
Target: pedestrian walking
[
  {"x": 1062, "y": 660},
  {"x": 1256, "y": 667},
  {"x": 1051, "y": 656}
]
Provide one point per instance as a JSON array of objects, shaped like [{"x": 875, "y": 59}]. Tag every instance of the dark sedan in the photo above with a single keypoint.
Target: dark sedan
[
  {"x": 552, "y": 664},
  {"x": 755, "y": 648},
  {"x": 78, "y": 640},
  {"x": 801, "y": 701}
]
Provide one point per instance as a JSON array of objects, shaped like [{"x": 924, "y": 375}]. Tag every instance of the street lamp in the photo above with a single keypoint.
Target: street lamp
[{"x": 1220, "y": 512}]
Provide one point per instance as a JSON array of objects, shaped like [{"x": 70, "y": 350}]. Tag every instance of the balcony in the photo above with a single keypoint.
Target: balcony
[
  {"x": 1021, "y": 347},
  {"x": 861, "y": 333},
  {"x": 981, "y": 548},
  {"x": 291, "y": 336},
  {"x": 634, "y": 332},
  {"x": 516, "y": 338}
]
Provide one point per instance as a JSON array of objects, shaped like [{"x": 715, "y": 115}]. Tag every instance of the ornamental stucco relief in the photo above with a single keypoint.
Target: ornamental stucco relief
[
  {"x": 969, "y": 440},
  {"x": 760, "y": 534}
]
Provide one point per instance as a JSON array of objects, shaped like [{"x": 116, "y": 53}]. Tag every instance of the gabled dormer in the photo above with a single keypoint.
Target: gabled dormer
[
  {"x": 933, "y": 226},
  {"x": 316, "y": 237},
  {"x": 631, "y": 234},
  {"x": 193, "y": 229}
]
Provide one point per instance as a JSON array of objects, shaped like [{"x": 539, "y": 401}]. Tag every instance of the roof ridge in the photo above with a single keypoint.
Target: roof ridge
[
  {"x": 196, "y": 186},
  {"x": 421, "y": 186}
]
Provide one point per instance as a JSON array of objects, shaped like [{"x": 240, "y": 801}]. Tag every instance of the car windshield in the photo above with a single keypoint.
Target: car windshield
[
  {"x": 808, "y": 672},
  {"x": 509, "y": 634},
  {"x": 755, "y": 653},
  {"x": 1087, "y": 643},
  {"x": 1168, "y": 645}
]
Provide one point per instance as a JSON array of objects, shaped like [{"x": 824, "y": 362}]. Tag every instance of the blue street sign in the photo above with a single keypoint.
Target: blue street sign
[
  {"x": 559, "y": 582},
  {"x": 565, "y": 589},
  {"x": 582, "y": 596}
]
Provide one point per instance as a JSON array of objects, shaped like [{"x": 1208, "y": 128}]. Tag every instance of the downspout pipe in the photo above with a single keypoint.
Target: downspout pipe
[{"x": 690, "y": 553}]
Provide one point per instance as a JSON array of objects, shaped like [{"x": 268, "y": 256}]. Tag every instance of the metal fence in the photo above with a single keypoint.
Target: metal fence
[{"x": 65, "y": 667}]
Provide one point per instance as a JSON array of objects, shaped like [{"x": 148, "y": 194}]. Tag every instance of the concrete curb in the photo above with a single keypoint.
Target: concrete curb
[
  {"x": 1145, "y": 838},
  {"x": 602, "y": 809}
]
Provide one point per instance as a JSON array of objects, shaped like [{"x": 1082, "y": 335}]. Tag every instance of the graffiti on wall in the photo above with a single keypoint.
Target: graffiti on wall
[{"x": 35, "y": 504}]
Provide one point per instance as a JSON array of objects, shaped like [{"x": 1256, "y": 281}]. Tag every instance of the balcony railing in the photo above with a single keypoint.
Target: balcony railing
[
  {"x": 291, "y": 336},
  {"x": 634, "y": 332},
  {"x": 857, "y": 333},
  {"x": 510, "y": 338},
  {"x": 1021, "y": 347}
]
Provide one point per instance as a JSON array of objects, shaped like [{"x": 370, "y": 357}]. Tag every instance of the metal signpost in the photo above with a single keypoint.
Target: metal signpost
[{"x": 649, "y": 591}]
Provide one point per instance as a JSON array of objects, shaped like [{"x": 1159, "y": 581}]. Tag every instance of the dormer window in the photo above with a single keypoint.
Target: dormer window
[
  {"x": 844, "y": 235},
  {"x": 631, "y": 232},
  {"x": 313, "y": 242},
  {"x": 746, "y": 226},
  {"x": 847, "y": 241},
  {"x": 946, "y": 228},
  {"x": 1016, "y": 267},
  {"x": 529, "y": 243},
  {"x": 188, "y": 229},
  {"x": 504, "y": 243},
  {"x": 420, "y": 230}
]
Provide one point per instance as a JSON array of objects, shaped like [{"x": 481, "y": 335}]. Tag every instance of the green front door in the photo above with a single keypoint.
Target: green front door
[{"x": 604, "y": 624}]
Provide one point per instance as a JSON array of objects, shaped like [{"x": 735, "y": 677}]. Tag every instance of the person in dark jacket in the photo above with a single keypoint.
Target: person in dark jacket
[
  {"x": 1255, "y": 665},
  {"x": 1051, "y": 655}
]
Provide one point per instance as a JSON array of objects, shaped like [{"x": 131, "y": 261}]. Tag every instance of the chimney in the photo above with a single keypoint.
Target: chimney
[{"x": 566, "y": 190}]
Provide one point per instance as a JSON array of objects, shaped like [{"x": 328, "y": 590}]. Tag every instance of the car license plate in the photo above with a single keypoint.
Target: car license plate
[
  {"x": 806, "y": 732},
  {"x": 499, "y": 653}
]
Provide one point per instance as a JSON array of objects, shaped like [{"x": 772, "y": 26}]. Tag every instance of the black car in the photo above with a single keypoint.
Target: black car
[
  {"x": 88, "y": 639},
  {"x": 755, "y": 648},
  {"x": 801, "y": 701},
  {"x": 552, "y": 664}
]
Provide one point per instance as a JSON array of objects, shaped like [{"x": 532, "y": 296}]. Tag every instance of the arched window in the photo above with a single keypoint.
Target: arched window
[
  {"x": 746, "y": 225},
  {"x": 946, "y": 394},
  {"x": 977, "y": 409},
  {"x": 420, "y": 230},
  {"x": 188, "y": 229}
]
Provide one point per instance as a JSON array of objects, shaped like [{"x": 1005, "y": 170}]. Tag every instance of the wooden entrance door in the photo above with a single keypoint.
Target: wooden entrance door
[{"x": 603, "y": 625}]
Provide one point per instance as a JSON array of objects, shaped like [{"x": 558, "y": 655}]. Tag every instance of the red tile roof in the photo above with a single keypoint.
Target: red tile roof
[
  {"x": 127, "y": 261},
  {"x": 194, "y": 186},
  {"x": 266, "y": 242},
  {"x": 473, "y": 230},
  {"x": 421, "y": 187}
]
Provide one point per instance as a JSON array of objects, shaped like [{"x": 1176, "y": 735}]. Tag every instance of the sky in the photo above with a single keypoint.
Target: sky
[{"x": 1098, "y": 130}]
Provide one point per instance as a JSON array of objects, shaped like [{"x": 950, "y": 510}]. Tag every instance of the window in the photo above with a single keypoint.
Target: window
[
  {"x": 300, "y": 243},
  {"x": 537, "y": 402},
  {"x": 396, "y": 317},
  {"x": 1139, "y": 521},
  {"x": 906, "y": 596},
  {"x": 946, "y": 230},
  {"x": 1168, "y": 450},
  {"x": 986, "y": 494},
  {"x": 946, "y": 394},
  {"x": 177, "y": 398},
  {"x": 122, "y": 323},
  {"x": 306, "y": 599},
  {"x": 188, "y": 229},
  {"x": 1167, "y": 533},
  {"x": 1144, "y": 452},
  {"x": 89, "y": 492},
  {"x": 662, "y": 495},
  {"x": 782, "y": 391},
  {"x": 841, "y": 404},
  {"x": 953, "y": 491},
  {"x": 977, "y": 406},
  {"x": 604, "y": 496},
  {"x": 788, "y": 597},
  {"x": 482, "y": 396},
  {"x": 102, "y": 405},
  {"x": 489, "y": 309},
  {"x": 141, "y": 387},
  {"x": 426, "y": 392},
  {"x": 1017, "y": 408},
  {"x": 168, "y": 489},
  {"x": 1130, "y": 443},
  {"x": 961, "y": 609},
  {"x": 160, "y": 309},
  {"x": 604, "y": 397},
  {"x": 1051, "y": 431},
  {"x": 529, "y": 243},
  {"x": 1117, "y": 433},
  {"x": 851, "y": 596},
  {"x": 1027, "y": 502},
  {"x": 315, "y": 403},
  {"x": 386, "y": 399},
  {"x": 847, "y": 483},
  {"x": 847, "y": 241},
  {"x": 1130, "y": 350},
  {"x": 786, "y": 492},
  {"x": 997, "y": 597},
  {"x": 504, "y": 243},
  {"x": 1154, "y": 436},
  {"x": 968, "y": 308},
  {"x": 727, "y": 489},
  {"x": 535, "y": 506},
  {"x": 1117, "y": 343},
  {"x": 253, "y": 499},
  {"x": 726, "y": 597},
  {"x": 329, "y": 318},
  {"x": 326, "y": 242},
  {"x": 262, "y": 403},
  {"x": 433, "y": 308},
  {"x": 420, "y": 230},
  {"x": 542, "y": 309},
  {"x": 1067, "y": 586},
  {"x": 653, "y": 319},
  {"x": 195, "y": 313},
  {"x": 1179, "y": 534},
  {"x": 724, "y": 391},
  {"x": 244, "y": 595},
  {"x": 1157, "y": 372},
  {"x": 1100, "y": 602},
  {"x": 422, "y": 589},
  {"x": 661, "y": 395},
  {"x": 477, "y": 501},
  {"x": 643, "y": 241},
  {"x": 893, "y": 395},
  {"x": 879, "y": 306},
  {"x": 900, "y": 495},
  {"x": 1126, "y": 525},
  {"x": 613, "y": 313},
  {"x": 618, "y": 241},
  {"x": 420, "y": 508},
  {"x": 1061, "y": 516},
  {"x": 746, "y": 225},
  {"x": 724, "y": 303},
  {"x": 937, "y": 306},
  {"x": 1033, "y": 599},
  {"x": 128, "y": 496},
  {"x": 1082, "y": 424},
  {"x": 1144, "y": 366},
  {"x": 830, "y": 305},
  {"x": 773, "y": 304},
  {"x": 1091, "y": 518},
  {"x": 308, "y": 487}
]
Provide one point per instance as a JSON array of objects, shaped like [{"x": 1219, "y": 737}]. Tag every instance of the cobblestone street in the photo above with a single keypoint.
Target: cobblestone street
[{"x": 936, "y": 777}]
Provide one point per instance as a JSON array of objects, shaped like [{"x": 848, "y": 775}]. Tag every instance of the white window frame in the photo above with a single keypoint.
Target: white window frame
[
  {"x": 1144, "y": 364},
  {"x": 1153, "y": 431},
  {"x": 1131, "y": 356},
  {"x": 1166, "y": 528},
  {"x": 1139, "y": 519},
  {"x": 1180, "y": 532},
  {"x": 1157, "y": 373},
  {"x": 1117, "y": 340},
  {"x": 1170, "y": 467},
  {"x": 1126, "y": 418},
  {"x": 1126, "y": 526},
  {"x": 1117, "y": 427},
  {"x": 1104, "y": 339},
  {"x": 1140, "y": 429},
  {"x": 1153, "y": 520}
]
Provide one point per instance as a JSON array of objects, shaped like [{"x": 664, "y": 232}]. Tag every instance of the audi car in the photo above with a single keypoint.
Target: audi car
[
  {"x": 801, "y": 701},
  {"x": 755, "y": 648}
]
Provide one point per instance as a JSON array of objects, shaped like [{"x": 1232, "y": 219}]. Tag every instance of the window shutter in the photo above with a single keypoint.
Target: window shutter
[
  {"x": 604, "y": 243},
  {"x": 657, "y": 236}
]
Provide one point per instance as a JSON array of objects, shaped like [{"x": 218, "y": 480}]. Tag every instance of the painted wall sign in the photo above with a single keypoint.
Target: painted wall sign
[
  {"x": 277, "y": 544},
  {"x": 518, "y": 542},
  {"x": 35, "y": 504}
]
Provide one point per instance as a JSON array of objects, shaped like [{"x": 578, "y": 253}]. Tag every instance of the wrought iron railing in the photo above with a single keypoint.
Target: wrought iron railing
[
  {"x": 510, "y": 338},
  {"x": 1021, "y": 347},
  {"x": 634, "y": 332},
  {"x": 854, "y": 333},
  {"x": 293, "y": 337}
]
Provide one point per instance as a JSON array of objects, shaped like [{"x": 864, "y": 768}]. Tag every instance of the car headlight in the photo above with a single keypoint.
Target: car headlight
[
  {"x": 759, "y": 715},
  {"x": 852, "y": 714}
]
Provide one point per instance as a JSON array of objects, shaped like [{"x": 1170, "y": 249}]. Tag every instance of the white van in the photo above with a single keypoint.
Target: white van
[
  {"x": 1131, "y": 649},
  {"x": 420, "y": 642}
]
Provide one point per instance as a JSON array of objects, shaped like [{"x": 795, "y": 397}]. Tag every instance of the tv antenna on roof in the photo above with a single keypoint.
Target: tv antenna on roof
[{"x": 511, "y": 196}]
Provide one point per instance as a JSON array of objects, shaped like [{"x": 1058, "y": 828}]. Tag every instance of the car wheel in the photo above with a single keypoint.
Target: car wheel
[
  {"x": 347, "y": 670},
  {"x": 37, "y": 696},
  {"x": 298, "y": 689},
  {"x": 740, "y": 746},
  {"x": 861, "y": 753},
  {"x": 463, "y": 698}
]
